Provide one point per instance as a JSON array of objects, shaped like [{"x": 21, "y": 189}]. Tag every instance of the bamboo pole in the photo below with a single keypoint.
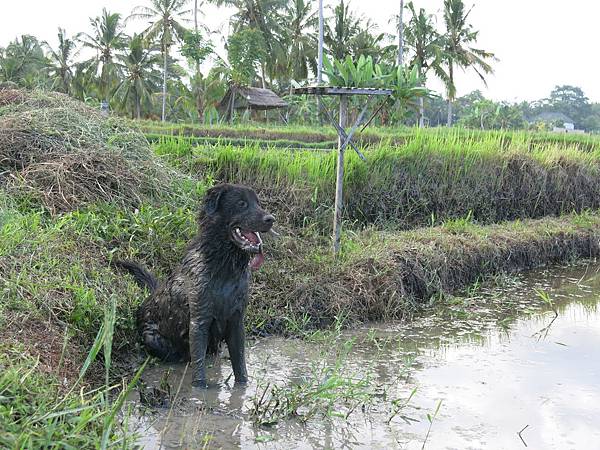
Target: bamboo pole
[{"x": 339, "y": 187}]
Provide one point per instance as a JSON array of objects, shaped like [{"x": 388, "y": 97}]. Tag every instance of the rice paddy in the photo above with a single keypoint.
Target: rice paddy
[
  {"x": 430, "y": 213},
  {"x": 433, "y": 177}
]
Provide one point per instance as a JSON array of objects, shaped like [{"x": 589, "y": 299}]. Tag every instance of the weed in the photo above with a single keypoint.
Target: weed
[{"x": 325, "y": 392}]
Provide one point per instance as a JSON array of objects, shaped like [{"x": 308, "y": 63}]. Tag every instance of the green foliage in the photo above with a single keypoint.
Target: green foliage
[
  {"x": 489, "y": 115},
  {"x": 407, "y": 86},
  {"x": 23, "y": 62},
  {"x": 347, "y": 73},
  {"x": 245, "y": 49},
  {"x": 195, "y": 47}
]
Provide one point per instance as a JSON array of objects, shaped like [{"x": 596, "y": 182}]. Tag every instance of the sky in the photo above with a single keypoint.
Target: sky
[{"x": 538, "y": 43}]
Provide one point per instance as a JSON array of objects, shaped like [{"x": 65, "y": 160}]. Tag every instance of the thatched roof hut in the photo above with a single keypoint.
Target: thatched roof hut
[{"x": 249, "y": 98}]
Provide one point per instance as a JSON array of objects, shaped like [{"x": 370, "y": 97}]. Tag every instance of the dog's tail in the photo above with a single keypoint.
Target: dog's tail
[{"x": 142, "y": 276}]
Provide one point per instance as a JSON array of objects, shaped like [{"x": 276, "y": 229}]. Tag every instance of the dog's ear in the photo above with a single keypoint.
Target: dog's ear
[{"x": 213, "y": 196}]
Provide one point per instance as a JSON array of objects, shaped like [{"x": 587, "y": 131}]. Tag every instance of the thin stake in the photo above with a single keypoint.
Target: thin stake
[
  {"x": 339, "y": 187},
  {"x": 374, "y": 115},
  {"x": 357, "y": 123},
  {"x": 341, "y": 132}
]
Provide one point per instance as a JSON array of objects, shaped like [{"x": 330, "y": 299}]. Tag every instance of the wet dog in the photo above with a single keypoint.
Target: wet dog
[{"x": 203, "y": 302}]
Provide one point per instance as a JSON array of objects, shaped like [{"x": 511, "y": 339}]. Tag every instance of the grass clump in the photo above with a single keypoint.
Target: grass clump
[
  {"x": 56, "y": 269},
  {"x": 391, "y": 275},
  {"x": 327, "y": 390},
  {"x": 63, "y": 155}
]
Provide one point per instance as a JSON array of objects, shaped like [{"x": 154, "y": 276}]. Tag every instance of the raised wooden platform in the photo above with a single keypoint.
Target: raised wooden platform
[{"x": 331, "y": 90}]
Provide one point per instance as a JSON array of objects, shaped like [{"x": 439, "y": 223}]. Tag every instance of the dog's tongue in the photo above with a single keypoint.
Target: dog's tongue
[{"x": 257, "y": 260}]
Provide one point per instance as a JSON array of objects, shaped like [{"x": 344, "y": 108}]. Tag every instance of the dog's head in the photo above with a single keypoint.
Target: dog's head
[{"x": 237, "y": 210}]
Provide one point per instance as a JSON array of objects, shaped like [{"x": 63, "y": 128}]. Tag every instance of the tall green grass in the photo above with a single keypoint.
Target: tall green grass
[
  {"x": 431, "y": 178},
  {"x": 40, "y": 410},
  {"x": 503, "y": 139}
]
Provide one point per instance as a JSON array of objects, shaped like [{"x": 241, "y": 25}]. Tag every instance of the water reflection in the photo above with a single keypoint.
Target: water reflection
[{"x": 482, "y": 356}]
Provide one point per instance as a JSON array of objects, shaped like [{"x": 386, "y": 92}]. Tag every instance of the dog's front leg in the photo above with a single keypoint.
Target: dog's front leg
[
  {"x": 200, "y": 321},
  {"x": 236, "y": 340}
]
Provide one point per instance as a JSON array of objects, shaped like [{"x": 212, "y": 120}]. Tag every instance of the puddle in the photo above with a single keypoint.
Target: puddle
[{"x": 493, "y": 364}]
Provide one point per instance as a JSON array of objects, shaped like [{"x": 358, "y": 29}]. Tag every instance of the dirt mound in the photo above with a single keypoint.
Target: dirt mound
[{"x": 65, "y": 154}]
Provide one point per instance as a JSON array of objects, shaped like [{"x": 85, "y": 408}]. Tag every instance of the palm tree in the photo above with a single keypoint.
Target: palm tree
[
  {"x": 426, "y": 45},
  {"x": 23, "y": 62},
  {"x": 165, "y": 18},
  {"x": 458, "y": 50},
  {"x": 61, "y": 62},
  {"x": 345, "y": 27},
  {"x": 138, "y": 65},
  {"x": 108, "y": 37},
  {"x": 300, "y": 43},
  {"x": 207, "y": 91},
  {"x": 262, "y": 15}
]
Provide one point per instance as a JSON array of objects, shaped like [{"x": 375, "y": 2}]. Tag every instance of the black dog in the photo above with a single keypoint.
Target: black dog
[{"x": 204, "y": 300}]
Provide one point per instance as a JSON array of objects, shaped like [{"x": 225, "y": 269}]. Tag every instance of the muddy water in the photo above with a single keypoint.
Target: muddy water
[{"x": 492, "y": 364}]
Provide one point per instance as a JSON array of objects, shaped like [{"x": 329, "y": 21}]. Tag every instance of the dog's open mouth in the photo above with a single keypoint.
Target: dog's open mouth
[{"x": 250, "y": 242}]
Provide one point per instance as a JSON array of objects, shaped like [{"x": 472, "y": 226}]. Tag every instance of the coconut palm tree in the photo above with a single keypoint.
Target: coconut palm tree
[
  {"x": 299, "y": 39},
  {"x": 345, "y": 27},
  {"x": 141, "y": 77},
  {"x": 426, "y": 46},
  {"x": 458, "y": 50},
  {"x": 60, "y": 62},
  {"x": 23, "y": 62},
  {"x": 262, "y": 15},
  {"x": 166, "y": 28},
  {"x": 107, "y": 38}
]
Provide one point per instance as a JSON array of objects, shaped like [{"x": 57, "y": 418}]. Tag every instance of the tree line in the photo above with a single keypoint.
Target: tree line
[{"x": 170, "y": 69}]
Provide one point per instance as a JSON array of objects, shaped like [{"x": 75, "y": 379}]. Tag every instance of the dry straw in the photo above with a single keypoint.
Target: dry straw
[{"x": 64, "y": 154}]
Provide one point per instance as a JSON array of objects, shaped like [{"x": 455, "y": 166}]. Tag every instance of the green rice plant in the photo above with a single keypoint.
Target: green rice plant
[
  {"x": 178, "y": 146},
  {"x": 240, "y": 134},
  {"x": 444, "y": 175},
  {"x": 327, "y": 391},
  {"x": 431, "y": 418}
]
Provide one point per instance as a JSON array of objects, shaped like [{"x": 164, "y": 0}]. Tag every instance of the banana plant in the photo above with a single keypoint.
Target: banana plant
[
  {"x": 405, "y": 82},
  {"x": 407, "y": 87},
  {"x": 347, "y": 73}
]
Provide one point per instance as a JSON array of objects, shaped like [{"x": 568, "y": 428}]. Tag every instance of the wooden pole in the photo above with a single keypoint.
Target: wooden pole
[
  {"x": 401, "y": 35},
  {"x": 320, "y": 48},
  {"x": 339, "y": 187},
  {"x": 320, "y": 60}
]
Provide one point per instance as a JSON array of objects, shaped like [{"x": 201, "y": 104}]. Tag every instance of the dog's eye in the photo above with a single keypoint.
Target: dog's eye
[{"x": 242, "y": 204}]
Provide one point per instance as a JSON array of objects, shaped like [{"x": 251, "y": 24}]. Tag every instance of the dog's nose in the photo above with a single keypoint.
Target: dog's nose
[{"x": 268, "y": 220}]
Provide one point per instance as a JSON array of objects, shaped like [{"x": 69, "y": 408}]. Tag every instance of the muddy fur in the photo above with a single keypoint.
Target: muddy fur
[{"x": 203, "y": 301}]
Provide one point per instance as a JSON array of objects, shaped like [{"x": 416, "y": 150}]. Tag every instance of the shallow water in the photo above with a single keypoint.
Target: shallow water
[{"x": 495, "y": 359}]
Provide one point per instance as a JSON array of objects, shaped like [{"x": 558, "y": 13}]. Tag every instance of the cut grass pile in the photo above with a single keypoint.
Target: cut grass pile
[{"x": 59, "y": 153}]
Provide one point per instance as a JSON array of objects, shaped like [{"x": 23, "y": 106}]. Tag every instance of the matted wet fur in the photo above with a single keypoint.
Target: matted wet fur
[{"x": 203, "y": 301}]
